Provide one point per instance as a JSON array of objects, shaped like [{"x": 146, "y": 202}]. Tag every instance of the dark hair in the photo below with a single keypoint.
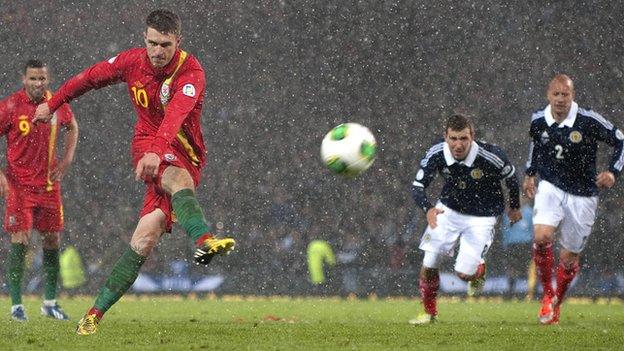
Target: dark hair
[
  {"x": 33, "y": 64},
  {"x": 458, "y": 123},
  {"x": 165, "y": 22}
]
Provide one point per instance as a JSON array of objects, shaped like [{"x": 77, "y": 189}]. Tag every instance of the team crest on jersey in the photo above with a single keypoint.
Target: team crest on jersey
[
  {"x": 169, "y": 157},
  {"x": 12, "y": 220},
  {"x": 188, "y": 90},
  {"x": 545, "y": 137},
  {"x": 619, "y": 134},
  {"x": 164, "y": 94},
  {"x": 427, "y": 238},
  {"x": 476, "y": 173},
  {"x": 576, "y": 137}
]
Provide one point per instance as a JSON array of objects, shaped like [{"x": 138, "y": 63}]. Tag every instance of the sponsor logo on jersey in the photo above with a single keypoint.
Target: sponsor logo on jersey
[
  {"x": 576, "y": 137},
  {"x": 545, "y": 137},
  {"x": 169, "y": 157},
  {"x": 461, "y": 185},
  {"x": 476, "y": 173},
  {"x": 188, "y": 90}
]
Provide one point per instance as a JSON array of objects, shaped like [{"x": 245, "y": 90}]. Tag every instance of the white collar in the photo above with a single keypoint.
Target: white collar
[
  {"x": 468, "y": 161},
  {"x": 567, "y": 122}
]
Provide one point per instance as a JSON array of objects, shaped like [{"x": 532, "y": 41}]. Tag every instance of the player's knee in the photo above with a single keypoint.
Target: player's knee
[
  {"x": 428, "y": 273},
  {"x": 144, "y": 243},
  {"x": 175, "y": 179},
  {"x": 568, "y": 259},
  {"x": 543, "y": 234},
  {"x": 465, "y": 277},
  {"x": 51, "y": 240},
  {"x": 20, "y": 238}
]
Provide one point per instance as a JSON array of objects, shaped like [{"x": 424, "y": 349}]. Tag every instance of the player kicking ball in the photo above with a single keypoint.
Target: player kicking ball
[
  {"x": 166, "y": 87},
  {"x": 465, "y": 214}
]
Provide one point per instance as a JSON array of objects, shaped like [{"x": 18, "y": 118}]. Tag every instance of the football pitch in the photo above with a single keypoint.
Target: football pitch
[{"x": 246, "y": 323}]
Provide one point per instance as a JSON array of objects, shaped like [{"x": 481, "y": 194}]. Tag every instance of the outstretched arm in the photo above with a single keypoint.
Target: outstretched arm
[{"x": 97, "y": 76}]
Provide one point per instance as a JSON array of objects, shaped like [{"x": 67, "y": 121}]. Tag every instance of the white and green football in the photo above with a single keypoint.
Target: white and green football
[{"x": 349, "y": 149}]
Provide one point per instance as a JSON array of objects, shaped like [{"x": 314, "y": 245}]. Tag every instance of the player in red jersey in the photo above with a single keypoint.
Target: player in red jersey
[
  {"x": 166, "y": 86},
  {"x": 31, "y": 183}
]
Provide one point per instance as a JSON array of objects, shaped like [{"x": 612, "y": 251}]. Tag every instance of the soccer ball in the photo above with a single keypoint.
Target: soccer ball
[{"x": 348, "y": 149}]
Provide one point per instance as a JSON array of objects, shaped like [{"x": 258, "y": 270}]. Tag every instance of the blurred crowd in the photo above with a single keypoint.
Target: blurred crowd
[{"x": 280, "y": 74}]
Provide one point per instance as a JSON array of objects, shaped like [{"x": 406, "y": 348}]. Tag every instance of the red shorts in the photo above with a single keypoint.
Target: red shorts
[
  {"x": 155, "y": 195},
  {"x": 30, "y": 208}
]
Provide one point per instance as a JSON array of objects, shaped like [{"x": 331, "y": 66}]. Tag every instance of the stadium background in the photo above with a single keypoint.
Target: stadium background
[{"x": 280, "y": 75}]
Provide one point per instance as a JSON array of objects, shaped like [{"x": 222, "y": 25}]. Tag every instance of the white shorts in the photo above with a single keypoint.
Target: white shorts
[
  {"x": 473, "y": 233},
  {"x": 574, "y": 214}
]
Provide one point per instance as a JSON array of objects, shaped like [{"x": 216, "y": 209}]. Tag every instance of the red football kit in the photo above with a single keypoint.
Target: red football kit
[
  {"x": 34, "y": 200},
  {"x": 168, "y": 102}
]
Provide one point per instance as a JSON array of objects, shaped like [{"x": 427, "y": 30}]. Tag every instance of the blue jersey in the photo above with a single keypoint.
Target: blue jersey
[
  {"x": 564, "y": 154},
  {"x": 471, "y": 186}
]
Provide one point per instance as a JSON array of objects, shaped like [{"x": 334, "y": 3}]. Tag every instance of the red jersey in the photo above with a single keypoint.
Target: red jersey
[
  {"x": 168, "y": 100},
  {"x": 31, "y": 148}
]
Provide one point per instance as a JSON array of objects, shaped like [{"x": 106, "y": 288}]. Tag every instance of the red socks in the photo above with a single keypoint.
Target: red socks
[
  {"x": 428, "y": 293},
  {"x": 99, "y": 314},
  {"x": 203, "y": 238},
  {"x": 565, "y": 275},
  {"x": 480, "y": 271},
  {"x": 544, "y": 260}
]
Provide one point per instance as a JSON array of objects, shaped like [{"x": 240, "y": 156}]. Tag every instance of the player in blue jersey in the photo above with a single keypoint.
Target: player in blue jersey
[
  {"x": 564, "y": 140},
  {"x": 466, "y": 211}
]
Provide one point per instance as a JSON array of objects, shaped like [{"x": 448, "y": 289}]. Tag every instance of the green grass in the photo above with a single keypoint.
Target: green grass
[{"x": 169, "y": 323}]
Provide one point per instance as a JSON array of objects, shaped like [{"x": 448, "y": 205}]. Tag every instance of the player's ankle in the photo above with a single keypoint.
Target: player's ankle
[
  {"x": 203, "y": 238},
  {"x": 94, "y": 311}
]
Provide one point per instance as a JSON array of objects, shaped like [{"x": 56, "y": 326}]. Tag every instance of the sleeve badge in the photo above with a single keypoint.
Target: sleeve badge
[{"x": 188, "y": 90}]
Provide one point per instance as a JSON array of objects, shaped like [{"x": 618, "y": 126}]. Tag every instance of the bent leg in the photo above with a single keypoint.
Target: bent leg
[
  {"x": 479, "y": 272},
  {"x": 474, "y": 244},
  {"x": 126, "y": 269},
  {"x": 179, "y": 184}
]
